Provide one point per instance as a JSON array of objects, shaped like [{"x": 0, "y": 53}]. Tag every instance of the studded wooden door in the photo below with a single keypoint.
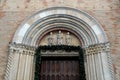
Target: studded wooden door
[{"x": 59, "y": 69}]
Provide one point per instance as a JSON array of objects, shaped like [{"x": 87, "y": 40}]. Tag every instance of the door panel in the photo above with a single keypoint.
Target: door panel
[{"x": 59, "y": 69}]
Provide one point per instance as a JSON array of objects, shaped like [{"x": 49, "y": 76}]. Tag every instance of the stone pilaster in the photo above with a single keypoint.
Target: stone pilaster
[
  {"x": 20, "y": 62},
  {"x": 98, "y": 65}
]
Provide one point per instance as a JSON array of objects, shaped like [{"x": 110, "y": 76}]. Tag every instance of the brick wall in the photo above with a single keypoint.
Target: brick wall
[{"x": 13, "y": 12}]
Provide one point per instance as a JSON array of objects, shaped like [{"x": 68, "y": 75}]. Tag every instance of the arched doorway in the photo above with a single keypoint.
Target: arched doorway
[
  {"x": 88, "y": 31},
  {"x": 59, "y": 62}
]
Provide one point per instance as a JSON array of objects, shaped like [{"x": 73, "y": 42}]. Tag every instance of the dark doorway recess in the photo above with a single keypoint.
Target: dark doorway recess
[{"x": 59, "y": 67}]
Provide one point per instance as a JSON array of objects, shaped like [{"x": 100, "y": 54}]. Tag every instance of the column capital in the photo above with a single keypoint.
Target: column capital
[
  {"x": 21, "y": 49},
  {"x": 98, "y": 48}
]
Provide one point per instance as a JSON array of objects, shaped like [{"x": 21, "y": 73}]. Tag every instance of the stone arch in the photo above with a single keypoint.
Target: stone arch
[{"x": 80, "y": 23}]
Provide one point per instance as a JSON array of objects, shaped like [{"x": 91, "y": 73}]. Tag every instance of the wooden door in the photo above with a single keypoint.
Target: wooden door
[{"x": 60, "y": 68}]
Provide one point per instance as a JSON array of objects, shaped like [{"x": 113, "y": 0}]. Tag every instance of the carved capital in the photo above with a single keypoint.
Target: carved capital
[
  {"x": 98, "y": 48},
  {"x": 21, "y": 49}
]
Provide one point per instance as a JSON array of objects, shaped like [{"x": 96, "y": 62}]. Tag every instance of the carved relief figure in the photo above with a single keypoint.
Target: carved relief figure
[
  {"x": 68, "y": 39},
  {"x": 50, "y": 39},
  {"x": 59, "y": 38}
]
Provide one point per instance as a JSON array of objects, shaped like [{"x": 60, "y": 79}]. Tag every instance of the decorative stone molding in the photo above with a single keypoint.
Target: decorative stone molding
[
  {"x": 20, "y": 48},
  {"x": 59, "y": 53},
  {"x": 98, "y": 56},
  {"x": 98, "y": 48},
  {"x": 20, "y": 59},
  {"x": 80, "y": 23}
]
